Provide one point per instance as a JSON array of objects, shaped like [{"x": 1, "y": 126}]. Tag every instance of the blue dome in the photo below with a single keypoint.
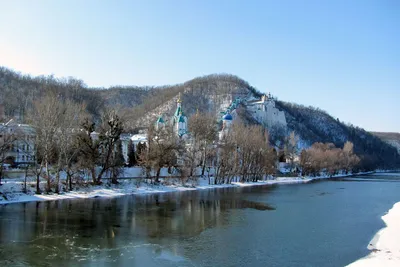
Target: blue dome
[{"x": 227, "y": 117}]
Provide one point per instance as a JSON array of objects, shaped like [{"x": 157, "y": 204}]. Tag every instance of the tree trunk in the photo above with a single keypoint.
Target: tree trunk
[
  {"x": 67, "y": 182},
  {"x": 48, "y": 189},
  {"x": 26, "y": 174},
  {"x": 158, "y": 175},
  {"x": 70, "y": 181},
  {"x": 38, "y": 181},
  {"x": 114, "y": 174},
  {"x": 105, "y": 165},
  {"x": 1, "y": 169},
  {"x": 216, "y": 174},
  {"x": 93, "y": 172},
  {"x": 102, "y": 171},
  {"x": 204, "y": 162},
  {"x": 57, "y": 186}
]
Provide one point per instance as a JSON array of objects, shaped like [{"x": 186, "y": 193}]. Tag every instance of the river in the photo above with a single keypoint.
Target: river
[{"x": 324, "y": 223}]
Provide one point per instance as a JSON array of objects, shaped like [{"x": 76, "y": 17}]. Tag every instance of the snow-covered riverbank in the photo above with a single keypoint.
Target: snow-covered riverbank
[
  {"x": 10, "y": 191},
  {"x": 385, "y": 246}
]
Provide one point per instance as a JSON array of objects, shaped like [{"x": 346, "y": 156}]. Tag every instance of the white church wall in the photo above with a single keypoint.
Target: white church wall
[{"x": 267, "y": 114}]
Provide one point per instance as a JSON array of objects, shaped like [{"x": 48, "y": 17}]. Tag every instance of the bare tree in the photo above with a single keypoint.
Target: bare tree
[
  {"x": 203, "y": 128},
  {"x": 8, "y": 137},
  {"x": 45, "y": 118},
  {"x": 253, "y": 151},
  {"x": 327, "y": 158},
  {"x": 70, "y": 116},
  {"x": 226, "y": 160},
  {"x": 291, "y": 149},
  {"x": 88, "y": 147},
  {"x": 6, "y": 141},
  {"x": 164, "y": 150},
  {"x": 245, "y": 152},
  {"x": 109, "y": 136},
  {"x": 350, "y": 160}
]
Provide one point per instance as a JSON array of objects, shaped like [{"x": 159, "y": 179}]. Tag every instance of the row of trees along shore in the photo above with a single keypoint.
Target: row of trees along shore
[{"x": 65, "y": 143}]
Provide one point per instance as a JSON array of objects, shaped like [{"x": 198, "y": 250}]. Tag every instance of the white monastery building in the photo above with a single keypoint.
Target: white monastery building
[{"x": 265, "y": 112}]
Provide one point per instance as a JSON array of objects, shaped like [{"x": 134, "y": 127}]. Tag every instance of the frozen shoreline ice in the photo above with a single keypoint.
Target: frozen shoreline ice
[{"x": 385, "y": 245}]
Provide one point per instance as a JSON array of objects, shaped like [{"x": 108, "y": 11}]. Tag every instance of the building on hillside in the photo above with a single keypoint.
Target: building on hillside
[
  {"x": 265, "y": 112},
  {"x": 226, "y": 125},
  {"x": 132, "y": 139},
  {"x": 17, "y": 143},
  {"x": 139, "y": 139},
  {"x": 262, "y": 110},
  {"x": 125, "y": 140},
  {"x": 160, "y": 123},
  {"x": 178, "y": 121}
]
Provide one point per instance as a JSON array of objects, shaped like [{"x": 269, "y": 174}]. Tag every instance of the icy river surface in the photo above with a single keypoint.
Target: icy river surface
[{"x": 325, "y": 223}]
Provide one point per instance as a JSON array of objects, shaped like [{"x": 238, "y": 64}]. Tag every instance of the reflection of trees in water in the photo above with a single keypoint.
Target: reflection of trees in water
[
  {"x": 188, "y": 217},
  {"x": 99, "y": 228}
]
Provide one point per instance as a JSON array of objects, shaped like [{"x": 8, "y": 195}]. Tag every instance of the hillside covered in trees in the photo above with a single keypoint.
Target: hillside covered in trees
[
  {"x": 315, "y": 125},
  {"x": 392, "y": 139},
  {"x": 138, "y": 106}
]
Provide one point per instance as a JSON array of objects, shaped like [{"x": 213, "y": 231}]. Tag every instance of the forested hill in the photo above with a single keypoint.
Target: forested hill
[
  {"x": 140, "y": 105},
  {"x": 315, "y": 125},
  {"x": 17, "y": 93}
]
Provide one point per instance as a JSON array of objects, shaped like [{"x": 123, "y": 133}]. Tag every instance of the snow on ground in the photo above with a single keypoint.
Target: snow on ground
[
  {"x": 11, "y": 190},
  {"x": 385, "y": 246},
  {"x": 280, "y": 180},
  {"x": 386, "y": 174}
]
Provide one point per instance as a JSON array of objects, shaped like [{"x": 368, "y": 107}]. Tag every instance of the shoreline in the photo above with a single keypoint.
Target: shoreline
[
  {"x": 129, "y": 187},
  {"x": 126, "y": 188},
  {"x": 385, "y": 245}
]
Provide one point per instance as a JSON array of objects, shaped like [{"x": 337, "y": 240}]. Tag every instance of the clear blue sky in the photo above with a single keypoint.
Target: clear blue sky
[{"x": 340, "y": 56}]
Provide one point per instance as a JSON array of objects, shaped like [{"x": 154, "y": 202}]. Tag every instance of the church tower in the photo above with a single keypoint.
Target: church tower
[
  {"x": 179, "y": 120},
  {"x": 226, "y": 125},
  {"x": 160, "y": 123}
]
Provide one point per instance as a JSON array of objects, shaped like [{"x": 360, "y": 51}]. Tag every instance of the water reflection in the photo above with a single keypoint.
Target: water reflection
[
  {"x": 231, "y": 227},
  {"x": 104, "y": 230}
]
